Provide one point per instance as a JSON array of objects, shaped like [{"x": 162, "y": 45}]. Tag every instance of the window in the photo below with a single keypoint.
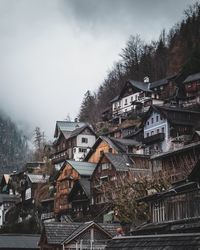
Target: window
[
  {"x": 152, "y": 120},
  {"x": 148, "y": 123},
  {"x": 147, "y": 134},
  {"x": 157, "y": 117},
  {"x": 105, "y": 166},
  {"x": 131, "y": 98},
  {"x": 84, "y": 140},
  {"x": 158, "y": 131},
  {"x": 82, "y": 150},
  {"x": 152, "y": 132},
  {"x": 125, "y": 102},
  {"x": 163, "y": 130}
]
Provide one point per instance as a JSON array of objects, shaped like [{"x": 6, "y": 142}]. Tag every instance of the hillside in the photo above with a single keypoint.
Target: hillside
[
  {"x": 13, "y": 145},
  {"x": 175, "y": 52}
]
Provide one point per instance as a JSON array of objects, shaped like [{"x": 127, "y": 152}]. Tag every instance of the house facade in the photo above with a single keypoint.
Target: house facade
[
  {"x": 192, "y": 90},
  {"x": 72, "y": 141},
  {"x": 165, "y": 127},
  {"x": 70, "y": 172},
  {"x": 132, "y": 94}
]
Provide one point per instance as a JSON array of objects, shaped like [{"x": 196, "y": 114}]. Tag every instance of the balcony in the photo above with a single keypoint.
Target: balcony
[{"x": 154, "y": 138}]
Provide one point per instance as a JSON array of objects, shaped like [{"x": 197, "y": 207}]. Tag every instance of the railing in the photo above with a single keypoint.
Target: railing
[{"x": 154, "y": 138}]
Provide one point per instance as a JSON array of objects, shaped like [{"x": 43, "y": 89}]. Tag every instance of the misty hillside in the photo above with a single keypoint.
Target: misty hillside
[
  {"x": 13, "y": 145},
  {"x": 173, "y": 53}
]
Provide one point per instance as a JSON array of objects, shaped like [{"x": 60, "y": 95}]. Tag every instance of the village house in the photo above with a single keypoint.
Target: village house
[
  {"x": 106, "y": 144},
  {"x": 88, "y": 235},
  {"x": 166, "y": 128},
  {"x": 70, "y": 172},
  {"x": 133, "y": 95},
  {"x": 111, "y": 170},
  {"x": 72, "y": 141},
  {"x": 192, "y": 90},
  {"x": 32, "y": 184},
  {"x": 7, "y": 201},
  {"x": 164, "y": 89},
  {"x": 79, "y": 198},
  {"x": 176, "y": 164},
  {"x": 177, "y": 209}
]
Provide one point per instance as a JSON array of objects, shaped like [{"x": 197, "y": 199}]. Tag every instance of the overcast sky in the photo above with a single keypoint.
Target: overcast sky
[{"x": 53, "y": 51}]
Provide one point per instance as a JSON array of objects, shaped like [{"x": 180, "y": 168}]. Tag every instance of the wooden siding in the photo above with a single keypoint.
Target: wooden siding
[
  {"x": 103, "y": 147},
  {"x": 64, "y": 184},
  {"x": 177, "y": 207}
]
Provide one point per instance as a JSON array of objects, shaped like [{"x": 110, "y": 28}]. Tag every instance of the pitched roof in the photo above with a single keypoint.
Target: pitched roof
[
  {"x": 156, "y": 242},
  {"x": 38, "y": 178},
  {"x": 67, "y": 126},
  {"x": 57, "y": 232},
  {"x": 116, "y": 98},
  {"x": 80, "y": 130},
  {"x": 176, "y": 151},
  {"x": 85, "y": 184},
  {"x": 82, "y": 228},
  {"x": 119, "y": 161},
  {"x": 82, "y": 167},
  {"x": 19, "y": 241},
  {"x": 161, "y": 82},
  {"x": 165, "y": 111},
  {"x": 120, "y": 145},
  {"x": 141, "y": 86},
  {"x": 193, "y": 77}
]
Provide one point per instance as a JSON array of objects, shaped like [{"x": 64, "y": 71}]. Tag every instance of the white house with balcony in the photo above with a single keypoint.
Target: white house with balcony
[
  {"x": 132, "y": 96},
  {"x": 166, "y": 128}
]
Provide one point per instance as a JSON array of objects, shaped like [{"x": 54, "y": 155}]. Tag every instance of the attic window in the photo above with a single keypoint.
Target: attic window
[{"x": 84, "y": 140}]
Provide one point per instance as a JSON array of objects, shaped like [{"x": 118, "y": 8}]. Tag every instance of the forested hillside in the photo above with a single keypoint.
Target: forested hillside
[
  {"x": 13, "y": 145},
  {"x": 177, "y": 51}
]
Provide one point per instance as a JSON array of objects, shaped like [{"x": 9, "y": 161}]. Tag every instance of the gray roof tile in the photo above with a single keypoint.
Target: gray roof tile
[{"x": 193, "y": 77}]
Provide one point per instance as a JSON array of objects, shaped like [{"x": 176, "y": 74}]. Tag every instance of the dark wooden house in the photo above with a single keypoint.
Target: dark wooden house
[
  {"x": 164, "y": 89},
  {"x": 79, "y": 197},
  {"x": 192, "y": 90},
  {"x": 70, "y": 172}
]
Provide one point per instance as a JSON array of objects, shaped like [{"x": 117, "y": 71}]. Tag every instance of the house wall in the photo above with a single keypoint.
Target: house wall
[
  {"x": 103, "y": 147},
  {"x": 158, "y": 124},
  {"x": 177, "y": 207},
  {"x": 64, "y": 184}
]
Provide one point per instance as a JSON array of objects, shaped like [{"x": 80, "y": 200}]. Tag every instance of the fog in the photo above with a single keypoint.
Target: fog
[{"x": 53, "y": 51}]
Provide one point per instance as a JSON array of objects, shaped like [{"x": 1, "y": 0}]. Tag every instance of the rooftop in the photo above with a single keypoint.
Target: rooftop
[
  {"x": 83, "y": 168},
  {"x": 156, "y": 242},
  {"x": 193, "y": 77},
  {"x": 19, "y": 241}
]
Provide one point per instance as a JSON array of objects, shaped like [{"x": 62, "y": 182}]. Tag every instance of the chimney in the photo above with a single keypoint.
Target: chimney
[{"x": 146, "y": 80}]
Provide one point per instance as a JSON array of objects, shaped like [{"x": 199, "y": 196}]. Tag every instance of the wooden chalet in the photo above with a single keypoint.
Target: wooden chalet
[
  {"x": 166, "y": 128},
  {"x": 177, "y": 209},
  {"x": 111, "y": 171},
  {"x": 70, "y": 172},
  {"x": 192, "y": 90},
  {"x": 176, "y": 164},
  {"x": 32, "y": 183},
  {"x": 112, "y": 145},
  {"x": 79, "y": 198},
  {"x": 72, "y": 141},
  {"x": 88, "y": 235},
  {"x": 164, "y": 89},
  {"x": 132, "y": 96}
]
